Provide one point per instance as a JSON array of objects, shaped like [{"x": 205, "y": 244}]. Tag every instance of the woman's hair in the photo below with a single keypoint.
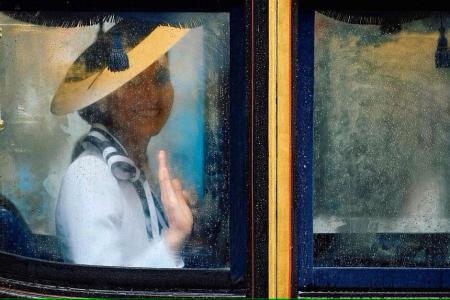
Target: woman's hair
[
  {"x": 92, "y": 114},
  {"x": 95, "y": 114}
]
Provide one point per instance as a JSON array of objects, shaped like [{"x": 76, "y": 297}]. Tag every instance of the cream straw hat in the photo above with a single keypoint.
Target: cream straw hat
[{"x": 84, "y": 85}]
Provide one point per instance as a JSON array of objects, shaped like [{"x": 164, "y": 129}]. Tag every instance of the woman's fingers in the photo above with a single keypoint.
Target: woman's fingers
[
  {"x": 191, "y": 198},
  {"x": 181, "y": 195},
  {"x": 163, "y": 171},
  {"x": 178, "y": 188},
  {"x": 168, "y": 196},
  {"x": 162, "y": 176},
  {"x": 183, "y": 205},
  {"x": 174, "y": 200}
]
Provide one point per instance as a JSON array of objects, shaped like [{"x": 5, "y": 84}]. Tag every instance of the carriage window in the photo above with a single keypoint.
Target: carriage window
[
  {"x": 114, "y": 140},
  {"x": 381, "y": 180}
]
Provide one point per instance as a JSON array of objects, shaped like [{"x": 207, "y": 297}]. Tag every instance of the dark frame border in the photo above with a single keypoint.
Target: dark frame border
[
  {"x": 23, "y": 276},
  {"x": 258, "y": 246}
]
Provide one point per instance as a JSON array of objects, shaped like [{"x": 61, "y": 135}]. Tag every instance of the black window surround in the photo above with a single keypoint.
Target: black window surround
[{"x": 21, "y": 276}]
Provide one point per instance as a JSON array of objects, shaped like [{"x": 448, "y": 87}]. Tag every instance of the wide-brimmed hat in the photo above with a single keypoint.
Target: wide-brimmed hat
[{"x": 91, "y": 77}]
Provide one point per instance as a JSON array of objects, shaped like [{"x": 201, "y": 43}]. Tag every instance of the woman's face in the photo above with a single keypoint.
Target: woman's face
[{"x": 141, "y": 106}]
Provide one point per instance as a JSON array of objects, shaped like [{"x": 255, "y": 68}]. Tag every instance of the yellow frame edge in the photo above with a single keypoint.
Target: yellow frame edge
[{"x": 280, "y": 183}]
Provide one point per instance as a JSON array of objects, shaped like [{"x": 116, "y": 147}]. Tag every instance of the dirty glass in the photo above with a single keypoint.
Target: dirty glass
[
  {"x": 381, "y": 144},
  {"x": 63, "y": 198}
]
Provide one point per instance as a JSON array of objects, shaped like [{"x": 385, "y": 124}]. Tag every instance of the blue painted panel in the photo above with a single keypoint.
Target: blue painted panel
[
  {"x": 377, "y": 278},
  {"x": 303, "y": 155},
  {"x": 238, "y": 194}
]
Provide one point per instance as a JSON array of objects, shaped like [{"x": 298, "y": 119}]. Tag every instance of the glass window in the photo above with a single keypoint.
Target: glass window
[
  {"x": 97, "y": 121},
  {"x": 381, "y": 164},
  {"x": 373, "y": 143}
]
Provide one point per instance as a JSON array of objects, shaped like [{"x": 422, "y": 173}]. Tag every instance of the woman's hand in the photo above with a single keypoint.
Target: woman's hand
[{"x": 175, "y": 202}]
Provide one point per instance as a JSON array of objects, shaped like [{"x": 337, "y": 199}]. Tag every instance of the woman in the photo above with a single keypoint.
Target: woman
[{"x": 106, "y": 212}]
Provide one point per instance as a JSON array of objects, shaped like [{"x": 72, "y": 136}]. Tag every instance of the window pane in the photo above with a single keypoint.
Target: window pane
[
  {"x": 381, "y": 142},
  {"x": 87, "y": 183}
]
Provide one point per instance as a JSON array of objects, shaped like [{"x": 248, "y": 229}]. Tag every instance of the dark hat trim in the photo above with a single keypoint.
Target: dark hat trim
[{"x": 131, "y": 33}]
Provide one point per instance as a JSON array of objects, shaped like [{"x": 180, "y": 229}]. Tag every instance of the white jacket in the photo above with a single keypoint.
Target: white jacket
[{"x": 100, "y": 220}]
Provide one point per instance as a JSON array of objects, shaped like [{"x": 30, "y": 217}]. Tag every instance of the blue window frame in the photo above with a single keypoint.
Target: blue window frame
[{"x": 313, "y": 277}]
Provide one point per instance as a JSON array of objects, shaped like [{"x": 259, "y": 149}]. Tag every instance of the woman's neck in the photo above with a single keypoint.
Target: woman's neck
[{"x": 135, "y": 145}]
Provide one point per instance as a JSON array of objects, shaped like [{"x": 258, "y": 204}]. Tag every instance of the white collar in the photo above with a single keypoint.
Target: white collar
[{"x": 102, "y": 127}]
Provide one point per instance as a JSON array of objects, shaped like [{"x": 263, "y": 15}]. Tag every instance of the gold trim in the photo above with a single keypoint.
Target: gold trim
[
  {"x": 280, "y": 185},
  {"x": 272, "y": 268}
]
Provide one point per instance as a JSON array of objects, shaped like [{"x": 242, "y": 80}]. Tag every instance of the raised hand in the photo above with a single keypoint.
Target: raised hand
[{"x": 177, "y": 210}]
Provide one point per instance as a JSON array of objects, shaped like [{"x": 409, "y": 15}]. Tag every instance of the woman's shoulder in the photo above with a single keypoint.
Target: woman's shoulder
[
  {"x": 89, "y": 169},
  {"x": 89, "y": 180},
  {"x": 88, "y": 165},
  {"x": 88, "y": 192}
]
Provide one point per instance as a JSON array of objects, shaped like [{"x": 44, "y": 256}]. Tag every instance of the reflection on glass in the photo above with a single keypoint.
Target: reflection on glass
[
  {"x": 116, "y": 159},
  {"x": 381, "y": 163}
]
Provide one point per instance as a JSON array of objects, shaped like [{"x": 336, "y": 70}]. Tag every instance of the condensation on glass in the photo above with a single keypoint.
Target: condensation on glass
[
  {"x": 381, "y": 145},
  {"x": 36, "y": 146}
]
